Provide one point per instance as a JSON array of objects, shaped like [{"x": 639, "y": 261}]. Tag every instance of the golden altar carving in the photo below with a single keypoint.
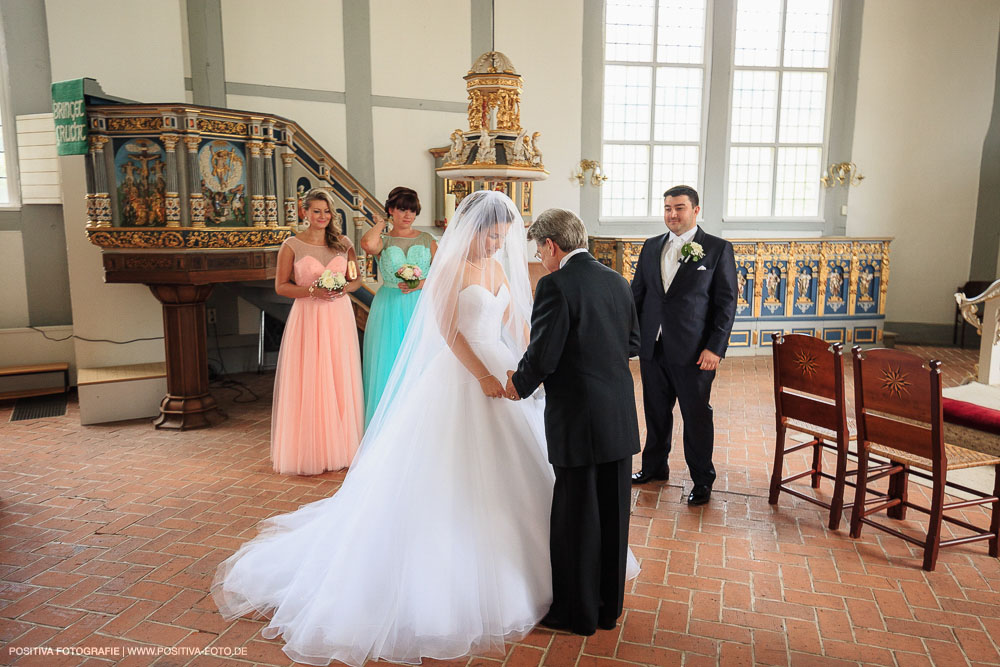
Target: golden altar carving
[{"x": 832, "y": 287}]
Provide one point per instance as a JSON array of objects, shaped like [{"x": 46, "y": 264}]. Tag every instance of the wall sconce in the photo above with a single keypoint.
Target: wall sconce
[
  {"x": 842, "y": 173},
  {"x": 597, "y": 176}
]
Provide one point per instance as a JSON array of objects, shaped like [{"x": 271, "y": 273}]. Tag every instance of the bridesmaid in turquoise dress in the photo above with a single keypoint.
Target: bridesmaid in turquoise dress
[{"x": 394, "y": 302}]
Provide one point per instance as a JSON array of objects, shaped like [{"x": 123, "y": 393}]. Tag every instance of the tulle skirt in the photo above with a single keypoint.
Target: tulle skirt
[
  {"x": 435, "y": 546},
  {"x": 316, "y": 420},
  {"x": 390, "y": 314}
]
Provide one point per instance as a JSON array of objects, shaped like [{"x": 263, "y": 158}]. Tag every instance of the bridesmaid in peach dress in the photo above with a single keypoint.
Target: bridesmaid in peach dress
[{"x": 318, "y": 412}]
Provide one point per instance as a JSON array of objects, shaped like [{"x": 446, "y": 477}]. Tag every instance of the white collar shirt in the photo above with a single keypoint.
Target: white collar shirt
[
  {"x": 670, "y": 259},
  {"x": 671, "y": 254},
  {"x": 562, "y": 262}
]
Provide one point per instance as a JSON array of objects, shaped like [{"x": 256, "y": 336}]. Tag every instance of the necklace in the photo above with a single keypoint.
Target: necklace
[{"x": 469, "y": 262}]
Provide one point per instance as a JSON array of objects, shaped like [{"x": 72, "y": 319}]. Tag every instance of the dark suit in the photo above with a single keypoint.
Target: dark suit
[
  {"x": 695, "y": 314},
  {"x": 583, "y": 331}
]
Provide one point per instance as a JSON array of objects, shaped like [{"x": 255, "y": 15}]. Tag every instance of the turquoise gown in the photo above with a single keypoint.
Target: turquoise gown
[{"x": 390, "y": 312}]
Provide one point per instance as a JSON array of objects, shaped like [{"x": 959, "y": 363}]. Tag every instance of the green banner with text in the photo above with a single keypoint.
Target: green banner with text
[{"x": 70, "y": 114}]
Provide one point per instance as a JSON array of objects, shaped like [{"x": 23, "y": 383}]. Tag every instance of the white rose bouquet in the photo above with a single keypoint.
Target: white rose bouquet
[{"x": 330, "y": 281}]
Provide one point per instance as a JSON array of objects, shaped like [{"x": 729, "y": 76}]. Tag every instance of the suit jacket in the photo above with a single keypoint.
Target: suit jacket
[
  {"x": 698, "y": 310},
  {"x": 583, "y": 331}
]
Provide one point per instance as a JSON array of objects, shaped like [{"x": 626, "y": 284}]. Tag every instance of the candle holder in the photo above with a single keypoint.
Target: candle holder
[
  {"x": 842, "y": 173},
  {"x": 597, "y": 175}
]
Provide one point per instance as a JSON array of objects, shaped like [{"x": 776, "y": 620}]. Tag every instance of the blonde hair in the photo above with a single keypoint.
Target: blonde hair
[{"x": 333, "y": 234}]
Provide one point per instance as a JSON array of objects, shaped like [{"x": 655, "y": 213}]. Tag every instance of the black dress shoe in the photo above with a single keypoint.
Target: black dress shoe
[
  {"x": 700, "y": 494},
  {"x": 642, "y": 476}
]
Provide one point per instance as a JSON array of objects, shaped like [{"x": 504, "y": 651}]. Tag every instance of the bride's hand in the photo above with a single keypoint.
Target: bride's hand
[{"x": 491, "y": 387}]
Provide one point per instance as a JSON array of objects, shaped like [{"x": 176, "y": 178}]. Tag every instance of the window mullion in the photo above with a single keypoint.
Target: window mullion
[
  {"x": 718, "y": 116},
  {"x": 777, "y": 108},
  {"x": 652, "y": 103}
]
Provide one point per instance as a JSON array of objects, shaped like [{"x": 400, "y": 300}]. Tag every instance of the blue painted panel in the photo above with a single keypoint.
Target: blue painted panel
[{"x": 835, "y": 335}]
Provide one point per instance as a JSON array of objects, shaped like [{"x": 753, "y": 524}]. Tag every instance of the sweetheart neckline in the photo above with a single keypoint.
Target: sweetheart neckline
[
  {"x": 305, "y": 257},
  {"x": 485, "y": 289},
  {"x": 405, "y": 253}
]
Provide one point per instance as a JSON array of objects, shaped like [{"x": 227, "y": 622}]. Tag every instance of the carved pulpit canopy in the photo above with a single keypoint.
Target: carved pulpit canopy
[{"x": 495, "y": 147}]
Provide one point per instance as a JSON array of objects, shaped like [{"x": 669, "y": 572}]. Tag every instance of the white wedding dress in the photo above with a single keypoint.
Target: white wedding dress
[{"x": 436, "y": 545}]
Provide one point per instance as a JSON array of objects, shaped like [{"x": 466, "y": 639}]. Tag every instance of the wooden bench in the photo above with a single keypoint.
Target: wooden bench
[{"x": 35, "y": 369}]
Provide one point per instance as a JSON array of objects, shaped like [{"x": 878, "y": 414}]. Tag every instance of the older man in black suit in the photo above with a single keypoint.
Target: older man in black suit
[
  {"x": 583, "y": 331},
  {"x": 685, "y": 295}
]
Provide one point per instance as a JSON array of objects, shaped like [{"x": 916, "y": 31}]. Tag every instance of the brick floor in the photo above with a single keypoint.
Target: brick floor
[{"x": 110, "y": 534}]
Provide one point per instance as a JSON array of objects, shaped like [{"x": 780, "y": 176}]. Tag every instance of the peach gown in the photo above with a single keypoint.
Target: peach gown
[{"x": 318, "y": 412}]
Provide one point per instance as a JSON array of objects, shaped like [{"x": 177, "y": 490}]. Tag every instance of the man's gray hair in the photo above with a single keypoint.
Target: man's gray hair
[{"x": 565, "y": 228}]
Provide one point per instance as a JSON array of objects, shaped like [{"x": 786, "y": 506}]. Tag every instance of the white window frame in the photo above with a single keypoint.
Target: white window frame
[
  {"x": 706, "y": 67},
  {"x": 9, "y": 135},
  {"x": 710, "y": 141},
  {"x": 825, "y": 149}
]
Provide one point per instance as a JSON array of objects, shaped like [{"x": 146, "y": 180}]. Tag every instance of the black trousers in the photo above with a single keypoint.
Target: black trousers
[
  {"x": 663, "y": 385},
  {"x": 589, "y": 543}
]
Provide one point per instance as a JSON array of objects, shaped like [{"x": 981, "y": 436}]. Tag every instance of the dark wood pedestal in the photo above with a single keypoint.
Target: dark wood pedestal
[
  {"x": 188, "y": 404},
  {"x": 181, "y": 281}
]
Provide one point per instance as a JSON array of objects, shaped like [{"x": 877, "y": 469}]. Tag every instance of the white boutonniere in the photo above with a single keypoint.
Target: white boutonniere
[{"x": 692, "y": 252}]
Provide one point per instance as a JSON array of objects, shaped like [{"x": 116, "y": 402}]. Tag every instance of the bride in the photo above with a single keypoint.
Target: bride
[{"x": 436, "y": 544}]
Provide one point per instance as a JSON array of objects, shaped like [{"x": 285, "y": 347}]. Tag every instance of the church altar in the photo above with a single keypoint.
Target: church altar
[{"x": 830, "y": 287}]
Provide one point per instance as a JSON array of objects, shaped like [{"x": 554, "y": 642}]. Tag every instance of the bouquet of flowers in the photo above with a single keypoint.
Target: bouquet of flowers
[
  {"x": 333, "y": 282},
  {"x": 410, "y": 274}
]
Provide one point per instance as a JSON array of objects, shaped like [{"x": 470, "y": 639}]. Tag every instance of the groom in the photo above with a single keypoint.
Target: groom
[
  {"x": 583, "y": 331},
  {"x": 685, "y": 293}
]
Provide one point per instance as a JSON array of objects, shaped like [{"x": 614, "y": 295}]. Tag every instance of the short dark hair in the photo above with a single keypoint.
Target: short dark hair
[
  {"x": 403, "y": 199},
  {"x": 683, "y": 191}
]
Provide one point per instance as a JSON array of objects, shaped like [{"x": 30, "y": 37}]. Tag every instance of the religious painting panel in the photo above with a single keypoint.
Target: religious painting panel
[
  {"x": 140, "y": 182},
  {"x": 222, "y": 165}
]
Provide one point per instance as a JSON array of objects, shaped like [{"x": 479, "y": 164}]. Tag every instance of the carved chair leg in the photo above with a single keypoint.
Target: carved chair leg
[
  {"x": 932, "y": 545},
  {"x": 898, "y": 488},
  {"x": 817, "y": 464},
  {"x": 995, "y": 515},
  {"x": 839, "y": 482},
  {"x": 779, "y": 462},
  {"x": 860, "y": 486}
]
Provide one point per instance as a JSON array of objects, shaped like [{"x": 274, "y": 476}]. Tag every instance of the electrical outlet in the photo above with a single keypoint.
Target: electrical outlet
[
  {"x": 843, "y": 209},
  {"x": 211, "y": 315}
]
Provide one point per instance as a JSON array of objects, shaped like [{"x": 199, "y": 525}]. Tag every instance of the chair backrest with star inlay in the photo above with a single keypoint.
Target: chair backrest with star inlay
[
  {"x": 898, "y": 401},
  {"x": 809, "y": 380}
]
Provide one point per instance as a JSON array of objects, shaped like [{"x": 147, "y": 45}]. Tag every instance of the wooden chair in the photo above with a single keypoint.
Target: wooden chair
[
  {"x": 899, "y": 416},
  {"x": 809, "y": 398}
]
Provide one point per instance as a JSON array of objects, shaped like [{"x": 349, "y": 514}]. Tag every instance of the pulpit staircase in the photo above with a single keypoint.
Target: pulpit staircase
[{"x": 183, "y": 197}]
